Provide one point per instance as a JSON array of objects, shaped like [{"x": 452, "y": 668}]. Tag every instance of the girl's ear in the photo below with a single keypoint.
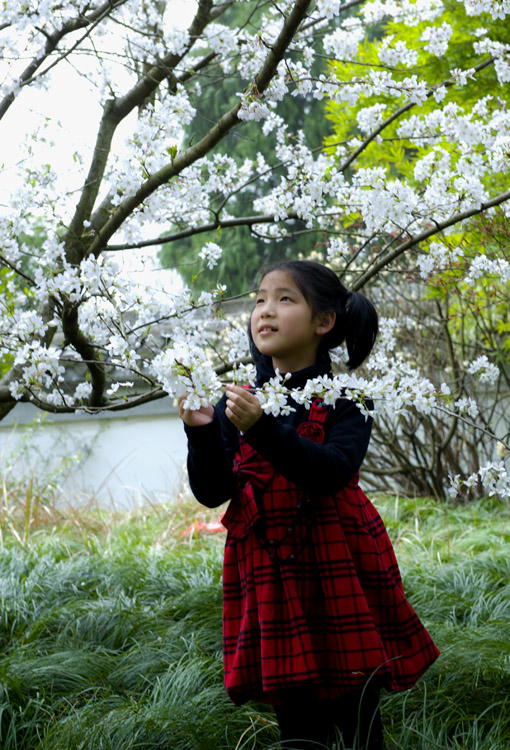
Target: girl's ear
[{"x": 325, "y": 322}]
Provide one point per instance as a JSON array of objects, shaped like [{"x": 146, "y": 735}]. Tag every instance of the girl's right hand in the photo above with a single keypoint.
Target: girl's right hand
[{"x": 197, "y": 417}]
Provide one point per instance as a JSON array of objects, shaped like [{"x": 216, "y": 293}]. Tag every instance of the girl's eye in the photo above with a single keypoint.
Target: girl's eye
[
  {"x": 258, "y": 301},
  {"x": 284, "y": 299}
]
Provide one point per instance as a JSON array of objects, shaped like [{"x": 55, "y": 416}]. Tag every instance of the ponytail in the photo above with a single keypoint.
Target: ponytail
[{"x": 361, "y": 326}]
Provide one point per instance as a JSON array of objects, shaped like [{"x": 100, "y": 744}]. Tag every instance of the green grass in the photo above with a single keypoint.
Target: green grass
[{"x": 110, "y": 628}]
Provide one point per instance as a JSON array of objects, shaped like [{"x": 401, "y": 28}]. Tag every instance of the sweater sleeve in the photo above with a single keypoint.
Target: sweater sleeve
[
  {"x": 319, "y": 469},
  {"x": 210, "y": 455}
]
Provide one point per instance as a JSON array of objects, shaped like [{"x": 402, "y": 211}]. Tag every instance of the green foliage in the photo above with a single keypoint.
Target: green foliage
[
  {"x": 477, "y": 313},
  {"x": 399, "y": 154},
  {"x": 11, "y": 281},
  {"x": 111, "y": 634}
]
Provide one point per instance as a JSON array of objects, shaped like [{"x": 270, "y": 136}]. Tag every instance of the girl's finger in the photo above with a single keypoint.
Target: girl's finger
[
  {"x": 234, "y": 407},
  {"x": 238, "y": 394}
]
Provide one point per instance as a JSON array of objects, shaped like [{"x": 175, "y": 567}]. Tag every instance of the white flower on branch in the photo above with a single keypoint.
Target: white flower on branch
[
  {"x": 82, "y": 391},
  {"x": 244, "y": 374},
  {"x": 176, "y": 39},
  {"x": 115, "y": 387},
  {"x": 395, "y": 53},
  {"x": 328, "y": 8},
  {"x": 121, "y": 351},
  {"x": 253, "y": 109},
  {"x": 273, "y": 395},
  {"x": 211, "y": 254},
  {"x": 455, "y": 485},
  {"x": 337, "y": 249},
  {"x": 493, "y": 478},
  {"x": 344, "y": 42},
  {"x": 412, "y": 13},
  {"x": 58, "y": 398},
  {"x": 486, "y": 371},
  {"x": 221, "y": 39},
  {"x": 502, "y": 68},
  {"x": 499, "y": 154},
  {"x": 438, "y": 38},
  {"x": 16, "y": 389},
  {"x": 185, "y": 368},
  {"x": 438, "y": 258},
  {"x": 40, "y": 365},
  {"x": 497, "y": 9},
  {"x": 461, "y": 76},
  {"x": 467, "y": 406},
  {"x": 371, "y": 117},
  {"x": 26, "y": 324}
]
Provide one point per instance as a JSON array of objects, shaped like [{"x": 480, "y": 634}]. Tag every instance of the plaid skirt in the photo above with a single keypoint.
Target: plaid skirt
[{"x": 312, "y": 593}]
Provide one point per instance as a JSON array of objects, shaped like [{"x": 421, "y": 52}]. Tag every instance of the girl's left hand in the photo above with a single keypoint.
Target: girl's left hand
[{"x": 243, "y": 408}]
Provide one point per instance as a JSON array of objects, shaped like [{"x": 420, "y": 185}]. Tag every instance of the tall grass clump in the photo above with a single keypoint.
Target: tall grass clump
[
  {"x": 456, "y": 568},
  {"x": 110, "y": 627}
]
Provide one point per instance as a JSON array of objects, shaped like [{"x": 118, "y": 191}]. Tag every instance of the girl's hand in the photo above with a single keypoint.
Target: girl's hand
[
  {"x": 243, "y": 408},
  {"x": 195, "y": 418}
]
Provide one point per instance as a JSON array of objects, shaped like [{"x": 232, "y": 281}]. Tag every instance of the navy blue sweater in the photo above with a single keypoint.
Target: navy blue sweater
[{"x": 319, "y": 469}]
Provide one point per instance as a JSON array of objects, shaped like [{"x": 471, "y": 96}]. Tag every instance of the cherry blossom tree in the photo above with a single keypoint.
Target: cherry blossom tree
[
  {"x": 448, "y": 295},
  {"x": 76, "y": 333}
]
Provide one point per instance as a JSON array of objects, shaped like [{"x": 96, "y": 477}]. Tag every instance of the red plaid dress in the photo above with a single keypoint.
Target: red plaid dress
[{"x": 312, "y": 590}]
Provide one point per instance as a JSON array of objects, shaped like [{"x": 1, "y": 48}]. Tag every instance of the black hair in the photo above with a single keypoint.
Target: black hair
[{"x": 356, "y": 318}]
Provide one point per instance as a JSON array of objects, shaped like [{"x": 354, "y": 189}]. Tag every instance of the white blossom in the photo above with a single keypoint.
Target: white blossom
[
  {"x": 370, "y": 117},
  {"x": 211, "y": 254},
  {"x": 337, "y": 249},
  {"x": 397, "y": 52},
  {"x": 344, "y": 42},
  {"x": 253, "y": 109},
  {"x": 468, "y": 406},
  {"x": 437, "y": 38},
  {"x": 220, "y": 38},
  {"x": 486, "y": 371},
  {"x": 82, "y": 391}
]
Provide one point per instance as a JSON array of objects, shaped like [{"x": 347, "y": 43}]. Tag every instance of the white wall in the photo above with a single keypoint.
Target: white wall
[{"x": 125, "y": 460}]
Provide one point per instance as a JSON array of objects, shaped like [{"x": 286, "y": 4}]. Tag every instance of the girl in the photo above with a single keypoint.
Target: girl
[{"x": 315, "y": 620}]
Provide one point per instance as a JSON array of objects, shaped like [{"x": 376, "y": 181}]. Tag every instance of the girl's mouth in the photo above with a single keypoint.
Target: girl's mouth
[{"x": 265, "y": 330}]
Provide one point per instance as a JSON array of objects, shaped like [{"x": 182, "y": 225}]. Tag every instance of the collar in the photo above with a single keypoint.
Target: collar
[{"x": 297, "y": 379}]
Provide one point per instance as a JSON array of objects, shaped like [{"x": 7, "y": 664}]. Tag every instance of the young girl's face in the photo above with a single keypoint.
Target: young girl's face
[{"x": 283, "y": 326}]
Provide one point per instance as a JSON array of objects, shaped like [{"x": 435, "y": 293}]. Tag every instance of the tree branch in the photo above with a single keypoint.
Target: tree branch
[
  {"x": 413, "y": 241},
  {"x": 52, "y": 41},
  {"x": 220, "y": 129},
  {"x": 242, "y": 221},
  {"x": 115, "y": 111},
  {"x": 402, "y": 110},
  {"x": 103, "y": 211},
  {"x": 86, "y": 351}
]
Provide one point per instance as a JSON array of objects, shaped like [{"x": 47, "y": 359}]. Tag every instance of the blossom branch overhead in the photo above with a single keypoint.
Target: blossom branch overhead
[{"x": 416, "y": 146}]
